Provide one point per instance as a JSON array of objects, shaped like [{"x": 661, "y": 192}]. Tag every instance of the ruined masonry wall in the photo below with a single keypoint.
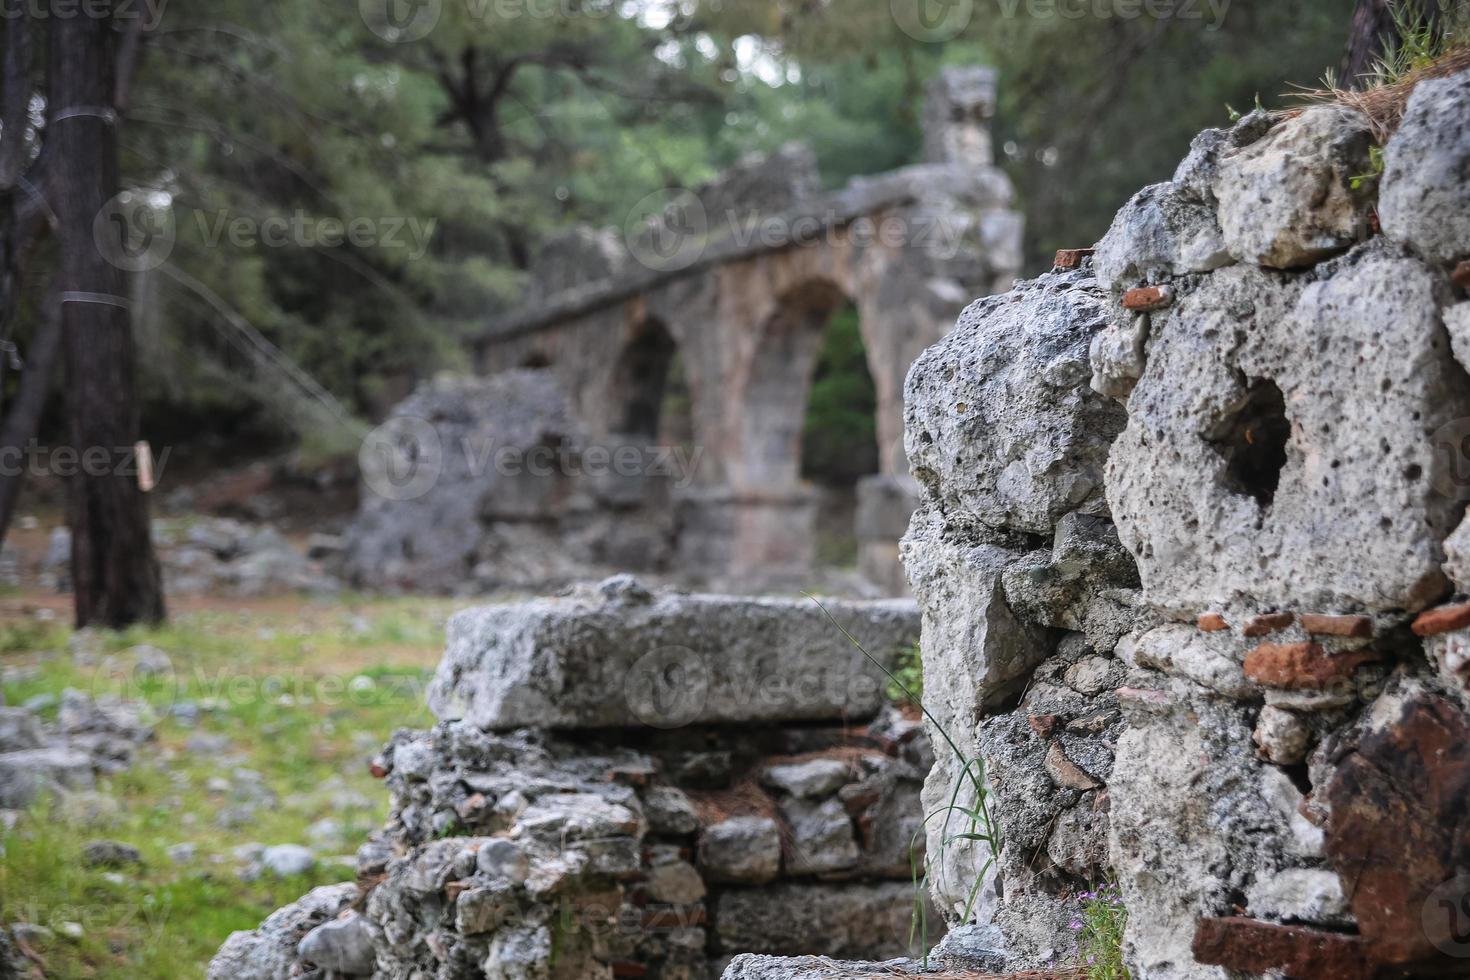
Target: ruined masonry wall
[{"x": 1192, "y": 564}]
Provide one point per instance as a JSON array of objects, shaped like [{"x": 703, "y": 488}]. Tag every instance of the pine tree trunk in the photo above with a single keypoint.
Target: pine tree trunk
[{"x": 114, "y": 571}]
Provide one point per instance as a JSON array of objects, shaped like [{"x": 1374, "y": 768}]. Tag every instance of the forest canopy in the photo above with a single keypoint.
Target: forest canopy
[{"x": 345, "y": 190}]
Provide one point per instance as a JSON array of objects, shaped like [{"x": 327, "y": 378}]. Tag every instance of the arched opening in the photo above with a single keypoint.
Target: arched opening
[
  {"x": 641, "y": 381},
  {"x": 839, "y": 442},
  {"x": 808, "y": 425}
]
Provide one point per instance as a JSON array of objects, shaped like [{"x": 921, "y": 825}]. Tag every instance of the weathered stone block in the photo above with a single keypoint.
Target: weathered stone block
[
  {"x": 862, "y": 921},
  {"x": 1288, "y": 199},
  {"x": 1237, "y": 475},
  {"x": 742, "y": 849},
  {"x": 1001, "y": 426},
  {"x": 1424, "y": 197},
  {"x": 669, "y": 661}
]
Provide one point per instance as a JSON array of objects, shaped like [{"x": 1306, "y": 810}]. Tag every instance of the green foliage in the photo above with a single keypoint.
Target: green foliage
[
  {"x": 907, "y": 685},
  {"x": 840, "y": 438},
  {"x": 1100, "y": 933},
  {"x": 1375, "y": 159}
]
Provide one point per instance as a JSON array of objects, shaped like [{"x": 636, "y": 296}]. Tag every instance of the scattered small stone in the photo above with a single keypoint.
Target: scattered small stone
[
  {"x": 813, "y": 778},
  {"x": 181, "y": 853},
  {"x": 110, "y": 854},
  {"x": 287, "y": 860}
]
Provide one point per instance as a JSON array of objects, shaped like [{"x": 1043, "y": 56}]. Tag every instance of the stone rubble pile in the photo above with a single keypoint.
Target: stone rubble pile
[
  {"x": 626, "y": 783},
  {"x": 215, "y": 556},
  {"x": 88, "y": 738},
  {"x": 1210, "y": 638},
  {"x": 475, "y": 484}
]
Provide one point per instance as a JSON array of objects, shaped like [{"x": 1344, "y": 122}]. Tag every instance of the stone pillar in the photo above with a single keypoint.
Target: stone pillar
[{"x": 885, "y": 505}]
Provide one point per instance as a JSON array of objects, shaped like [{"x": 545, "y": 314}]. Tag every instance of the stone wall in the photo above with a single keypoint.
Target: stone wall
[
  {"x": 1190, "y": 556},
  {"x": 630, "y": 784}
]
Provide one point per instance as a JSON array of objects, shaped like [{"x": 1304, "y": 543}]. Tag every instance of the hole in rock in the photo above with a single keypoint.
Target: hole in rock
[{"x": 1253, "y": 442}]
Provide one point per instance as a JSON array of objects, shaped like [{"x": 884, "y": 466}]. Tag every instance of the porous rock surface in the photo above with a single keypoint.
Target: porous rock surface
[{"x": 1247, "y": 702}]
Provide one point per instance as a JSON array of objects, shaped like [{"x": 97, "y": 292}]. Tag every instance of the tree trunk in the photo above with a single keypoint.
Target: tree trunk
[
  {"x": 23, "y": 420},
  {"x": 115, "y": 574},
  {"x": 1372, "y": 28},
  {"x": 1372, "y": 22}
]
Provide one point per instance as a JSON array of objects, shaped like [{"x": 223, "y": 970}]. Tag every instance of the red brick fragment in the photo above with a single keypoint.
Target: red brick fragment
[
  {"x": 1302, "y": 666},
  {"x": 1043, "y": 725},
  {"x": 1443, "y": 619},
  {"x": 1397, "y": 832},
  {"x": 1071, "y": 258},
  {"x": 1353, "y": 627},
  {"x": 1461, "y": 275},
  {"x": 627, "y": 968},
  {"x": 1253, "y": 946},
  {"x": 1267, "y": 623},
  {"x": 377, "y": 769},
  {"x": 1212, "y": 623},
  {"x": 1147, "y": 298}
]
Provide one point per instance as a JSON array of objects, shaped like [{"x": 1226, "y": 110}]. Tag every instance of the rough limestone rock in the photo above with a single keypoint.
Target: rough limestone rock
[
  {"x": 343, "y": 945},
  {"x": 1001, "y": 425},
  {"x": 1187, "y": 796},
  {"x": 1286, "y": 200},
  {"x": 1165, "y": 230},
  {"x": 1236, "y": 476},
  {"x": 669, "y": 661},
  {"x": 270, "y": 952},
  {"x": 1426, "y": 171}
]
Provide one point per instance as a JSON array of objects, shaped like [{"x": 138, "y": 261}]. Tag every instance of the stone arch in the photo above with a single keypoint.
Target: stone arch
[
  {"x": 640, "y": 380},
  {"x": 774, "y": 392}
]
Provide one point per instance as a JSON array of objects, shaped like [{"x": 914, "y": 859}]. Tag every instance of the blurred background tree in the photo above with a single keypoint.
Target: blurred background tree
[{"x": 497, "y": 129}]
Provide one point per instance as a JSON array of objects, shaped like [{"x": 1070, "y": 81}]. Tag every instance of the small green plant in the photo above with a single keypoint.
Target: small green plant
[
  {"x": 980, "y": 826},
  {"x": 1100, "y": 933},
  {"x": 1375, "y": 169},
  {"x": 908, "y": 668}
]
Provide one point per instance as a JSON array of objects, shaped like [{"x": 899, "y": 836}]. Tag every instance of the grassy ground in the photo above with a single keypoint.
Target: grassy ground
[{"x": 305, "y": 693}]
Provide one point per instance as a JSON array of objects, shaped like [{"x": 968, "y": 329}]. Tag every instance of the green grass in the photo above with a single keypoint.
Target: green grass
[
  {"x": 306, "y": 692},
  {"x": 1100, "y": 934}
]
